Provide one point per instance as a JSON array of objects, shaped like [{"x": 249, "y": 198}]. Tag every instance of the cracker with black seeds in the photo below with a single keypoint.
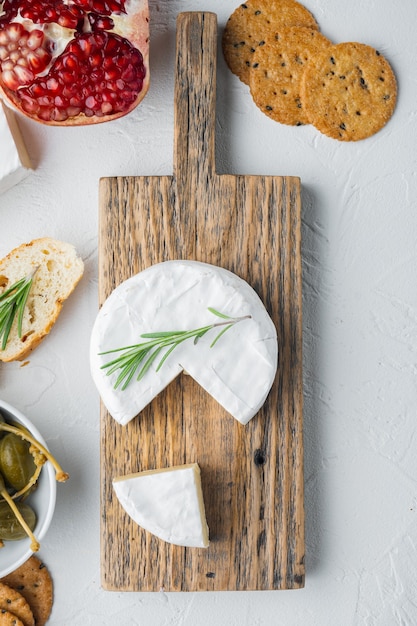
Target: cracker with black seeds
[
  {"x": 8, "y": 619},
  {"x": 349, "y": 91},
  {"x": 13, "y": 601},
  {"x": 253, "y": 21},
  {"x": 34, "y": 582},
  {"x": 277, "y": 69}
]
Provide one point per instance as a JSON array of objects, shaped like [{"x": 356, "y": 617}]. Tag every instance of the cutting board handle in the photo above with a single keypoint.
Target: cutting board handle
[{"x": 195, "y": 98}]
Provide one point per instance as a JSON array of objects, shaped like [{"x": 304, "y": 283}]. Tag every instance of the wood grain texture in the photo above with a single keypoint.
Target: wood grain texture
[{"x": 252, "y": 475}]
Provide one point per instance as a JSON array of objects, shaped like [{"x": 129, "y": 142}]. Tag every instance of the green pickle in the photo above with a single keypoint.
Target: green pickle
[
  {"x": 16, "y": 462},
  {"x": 10, "y": 527}
]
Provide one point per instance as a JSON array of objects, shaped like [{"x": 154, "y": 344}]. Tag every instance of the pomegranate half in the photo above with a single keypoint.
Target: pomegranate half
[{"x": 74, "y": 62}]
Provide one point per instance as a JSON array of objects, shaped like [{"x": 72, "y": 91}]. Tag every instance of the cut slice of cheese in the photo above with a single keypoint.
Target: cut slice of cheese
[
  {"x": 15, "y": 164},
  {"x": 238, "y": 371},
  {"x": 168, "y": 503}
]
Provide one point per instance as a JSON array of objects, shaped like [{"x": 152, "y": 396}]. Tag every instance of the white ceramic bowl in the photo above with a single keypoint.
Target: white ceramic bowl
[{"x": 14, "y": 553}]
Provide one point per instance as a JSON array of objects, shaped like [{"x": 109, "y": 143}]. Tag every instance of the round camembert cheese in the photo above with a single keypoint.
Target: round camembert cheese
[
  {"x": 238, "y": 371},
  {"x": 168, "y": 503}
]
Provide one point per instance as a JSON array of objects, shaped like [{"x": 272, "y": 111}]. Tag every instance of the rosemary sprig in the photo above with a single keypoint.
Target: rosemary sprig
[
  {"x": 141, "y": 356},
  {"x": 12, "y": 304}
]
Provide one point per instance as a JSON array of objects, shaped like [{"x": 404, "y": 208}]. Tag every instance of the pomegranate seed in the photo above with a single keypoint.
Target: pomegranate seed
[
  {"x": 108, "y": 96},
  {"x": 38, "y": 89},
  {"x": 76, "y": 102},
  {"x": 10, "y": 80},
  {"x": 35, "y": 39},
  {"x": 15, "y": 31},
  {"x": 60, "y": 102},
  {"x": 73, "y": 111},
  {"x": 70, "y": 61},
  {"x": 85, "y": 45},
  {"x": 15, "y": 57},
  {"x": 7, "y": 65},
  {"x": 67, "y": 78},
  {"x": 39, "y": 60},
  {"x": 91, "y": 102},
  {"x": 50, "y": 14},
  {"x": 30, "y": 105},
  {"x": 46, "y": 101},
  {"x": 52, "y": 84},
  {"x": 111, "y": 74},
  {"x": 128, "y": 74},
  {"x": 110, "y": 47},
  {"x": 59, "y": 115},
  {"x": 100, "y": 22},
  {"x": 95, "y": 59},
  {"x": 45, "y": 114},
  {"x": 22, "y": 43},
  {"x": 108, "y": 62}
]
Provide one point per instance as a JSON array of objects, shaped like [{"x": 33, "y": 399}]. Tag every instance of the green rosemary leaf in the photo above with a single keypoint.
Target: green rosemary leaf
[
  {"x": 215, "y": 312},
  {"x": 21, "y": 306},
  {"x": 166, "y": 355},
  {"x": 6, "y": 328},
  {"x": 162, "y": 334},
  {"x": 148, "y": 363},
  {"x": 216, "y": 339}
]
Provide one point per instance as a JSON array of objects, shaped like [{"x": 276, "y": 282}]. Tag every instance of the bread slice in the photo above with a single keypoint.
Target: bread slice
[{"x": 59, "y": 271}]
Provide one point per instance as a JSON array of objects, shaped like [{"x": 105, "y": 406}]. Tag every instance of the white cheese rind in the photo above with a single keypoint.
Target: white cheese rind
[
  {"x": 14, "y": 161},
  {"x": 175, "y": 295},
  {"x": 167, "y": 503}
]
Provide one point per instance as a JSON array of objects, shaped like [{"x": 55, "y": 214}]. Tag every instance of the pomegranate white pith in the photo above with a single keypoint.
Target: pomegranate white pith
[{"x": 74, "y": 62}]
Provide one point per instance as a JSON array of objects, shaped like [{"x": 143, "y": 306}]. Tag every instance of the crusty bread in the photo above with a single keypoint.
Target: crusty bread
[{"x": 59, "y": 270}]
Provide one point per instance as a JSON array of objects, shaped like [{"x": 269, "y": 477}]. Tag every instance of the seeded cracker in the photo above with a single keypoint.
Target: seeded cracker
[
  {"x": 252, "y": 22},
  {"x": 34, "y": 582},
  {"x": 8, "y": 619},
  {"x": 11, "y": 600},
  {"x": 349, "y": 91},
  {"x": 277, "y": 69}
]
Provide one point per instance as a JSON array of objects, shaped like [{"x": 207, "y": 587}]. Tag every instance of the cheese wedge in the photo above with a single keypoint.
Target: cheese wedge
[
  {"x": 238, "y": 371},
  {"x": 15, "y": 164},
  {"x": 168, "y": 503}
]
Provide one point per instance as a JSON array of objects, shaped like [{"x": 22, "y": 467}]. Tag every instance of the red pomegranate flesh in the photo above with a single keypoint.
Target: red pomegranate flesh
[{"x": 74, "y": 62}]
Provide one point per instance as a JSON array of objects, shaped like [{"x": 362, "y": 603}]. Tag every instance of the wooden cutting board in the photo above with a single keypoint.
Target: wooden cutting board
[{"x": 252, "y": 475}]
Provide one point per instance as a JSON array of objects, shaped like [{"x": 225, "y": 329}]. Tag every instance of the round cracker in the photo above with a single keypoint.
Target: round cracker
[
  {"x": 277, "y": 69},
  {"x": 349, "y": 91},
  {"x": 13, "y": 601},
  {"x": 9, "y": 619},
  {"x": 33, "y": 581},
  {"x": 253, "y": 21}
]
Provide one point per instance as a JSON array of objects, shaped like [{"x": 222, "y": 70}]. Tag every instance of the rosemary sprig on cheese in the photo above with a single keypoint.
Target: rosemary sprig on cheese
[
  {"x": 12, "y": 305},
  {"x": 141, "y": 356}
]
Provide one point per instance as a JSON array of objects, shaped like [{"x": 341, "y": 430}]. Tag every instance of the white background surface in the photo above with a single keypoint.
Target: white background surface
[{"x": 360, "y": 339}]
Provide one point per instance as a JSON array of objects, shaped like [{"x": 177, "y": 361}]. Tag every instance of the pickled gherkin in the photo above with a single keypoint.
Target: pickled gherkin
[
  {"x": 16, "y": 462},
  {"x": 10, "y": 527}
]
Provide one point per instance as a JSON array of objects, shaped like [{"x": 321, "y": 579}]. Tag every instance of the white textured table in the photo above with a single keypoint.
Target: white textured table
[{"x": 360, "y": 335}]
